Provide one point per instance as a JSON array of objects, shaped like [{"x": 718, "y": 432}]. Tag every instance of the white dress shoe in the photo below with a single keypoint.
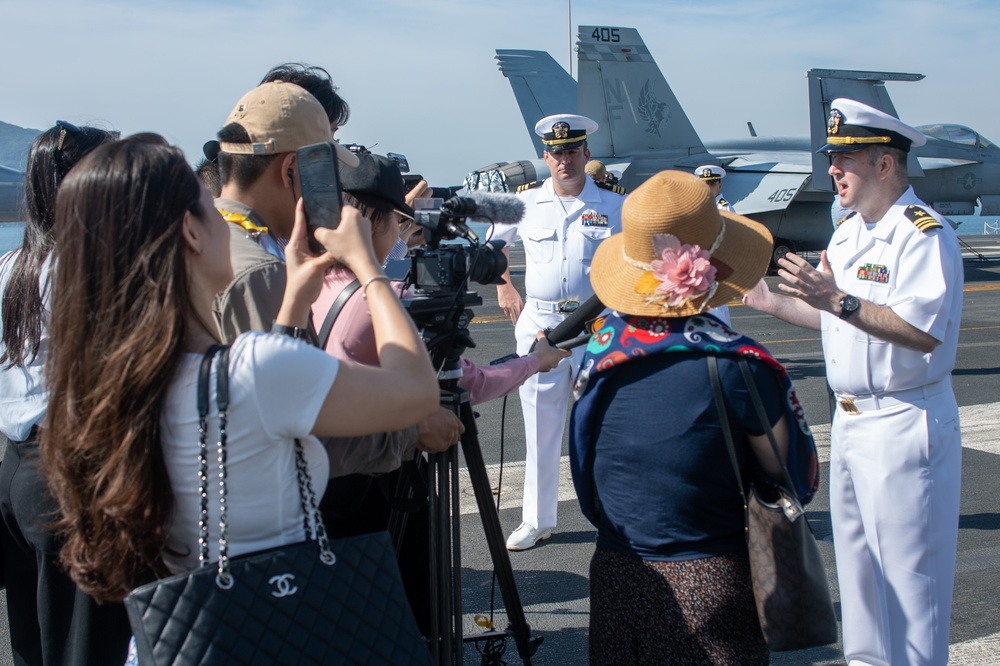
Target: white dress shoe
[{"x": 526, "y": 536}]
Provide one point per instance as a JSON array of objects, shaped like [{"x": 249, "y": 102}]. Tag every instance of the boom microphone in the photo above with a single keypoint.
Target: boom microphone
[
  {"x": 485, "y": 207},
  {"x": 568, "y": 333}
]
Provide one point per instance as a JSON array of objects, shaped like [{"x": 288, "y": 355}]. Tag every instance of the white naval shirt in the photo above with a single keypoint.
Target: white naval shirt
[
  {"x": 918, "y": 275},
  {"x": 560, "y": 237},
  {"x": 23, "y": 396},
  {"x": 722, "y": 204}
]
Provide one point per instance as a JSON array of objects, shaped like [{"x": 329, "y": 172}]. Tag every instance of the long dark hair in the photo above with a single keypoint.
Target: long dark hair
[
  {"x": 53, "y": 153},
  {"x": 120, "y": 306}
]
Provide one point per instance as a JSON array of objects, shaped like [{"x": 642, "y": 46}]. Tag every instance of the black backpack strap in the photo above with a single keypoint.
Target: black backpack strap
[{"x": 331, "y": 316}]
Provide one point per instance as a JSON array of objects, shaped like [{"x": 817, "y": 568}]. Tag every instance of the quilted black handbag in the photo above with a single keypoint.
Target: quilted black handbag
[
  {"x": 789, "y": 579},
  {"x": 314, "y": 602}
]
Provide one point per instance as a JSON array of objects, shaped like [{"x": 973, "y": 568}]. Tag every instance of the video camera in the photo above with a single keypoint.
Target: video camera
[
  {"x": 440, "y": 273},
  {"x": 444, "y": 268}
]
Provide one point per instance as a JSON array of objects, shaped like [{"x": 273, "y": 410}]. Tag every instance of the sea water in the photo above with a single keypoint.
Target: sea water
[{"x": 11, "y": 234}]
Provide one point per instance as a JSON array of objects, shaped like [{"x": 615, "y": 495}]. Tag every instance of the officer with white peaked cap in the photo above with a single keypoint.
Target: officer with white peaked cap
[
  {"x": 887, "y": 297},
  {"x": 712, "y": 176},
  {"x": 853, "y": 126},
  {"x": 566, "y": 217}
]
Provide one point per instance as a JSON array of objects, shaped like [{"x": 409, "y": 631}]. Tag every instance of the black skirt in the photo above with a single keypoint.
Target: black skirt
[{"x": 695, "y": 612}]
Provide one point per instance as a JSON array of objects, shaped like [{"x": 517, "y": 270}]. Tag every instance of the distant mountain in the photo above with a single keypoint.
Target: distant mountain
[{"x": 14, "y": 144}]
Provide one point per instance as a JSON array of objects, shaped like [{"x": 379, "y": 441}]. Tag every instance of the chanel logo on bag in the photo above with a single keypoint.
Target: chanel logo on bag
[{"x": 283, "y": 585}]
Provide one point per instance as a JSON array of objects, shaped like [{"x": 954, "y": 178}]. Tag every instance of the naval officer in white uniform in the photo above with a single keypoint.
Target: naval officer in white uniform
[
  {"x": 712, "y": 176},
  {"x": 566, "y": 218},
  {"x": 888, "y": 300}
]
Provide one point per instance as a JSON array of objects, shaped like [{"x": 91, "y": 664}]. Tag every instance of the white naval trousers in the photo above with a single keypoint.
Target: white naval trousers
[
  {"x": 544, "y": 404},
  {"x": 895, "y": 481}
]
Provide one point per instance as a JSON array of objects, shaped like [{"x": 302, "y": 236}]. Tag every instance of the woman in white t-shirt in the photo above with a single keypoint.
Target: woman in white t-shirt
[{"x": 141, "y": 251}]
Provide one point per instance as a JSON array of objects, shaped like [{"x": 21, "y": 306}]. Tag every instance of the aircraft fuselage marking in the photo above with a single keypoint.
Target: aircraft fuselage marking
[
  {"x": 615, "y": 101},
  {"x": 969, "y": 180},
  {"x": 652, "y": 110},
  {"x": 782, "y": 195},
  {"x": 606, "y": 35}
]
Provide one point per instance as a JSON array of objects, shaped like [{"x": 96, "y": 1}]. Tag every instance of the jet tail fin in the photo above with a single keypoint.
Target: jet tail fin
[
  {"x": 541, "y": 87},
  {"x": 826, "y": 85},
  {"x": 621, "y": 87}
]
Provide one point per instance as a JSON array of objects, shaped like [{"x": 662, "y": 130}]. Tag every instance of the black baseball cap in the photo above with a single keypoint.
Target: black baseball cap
[{"x": 377, "y": 176}]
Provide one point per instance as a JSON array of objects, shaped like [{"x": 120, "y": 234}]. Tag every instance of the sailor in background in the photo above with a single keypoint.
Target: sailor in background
[
  {"x": 888, "y": 299},
  {"x": 566, "y": 218},
  {"x": 603, "y": 177},
  {"x": 712, "y": 176},
  {"x": 596, "y": 170}
]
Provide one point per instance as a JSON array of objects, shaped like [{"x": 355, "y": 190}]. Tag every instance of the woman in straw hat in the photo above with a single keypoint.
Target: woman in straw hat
[{"x": 670, "y": 578}]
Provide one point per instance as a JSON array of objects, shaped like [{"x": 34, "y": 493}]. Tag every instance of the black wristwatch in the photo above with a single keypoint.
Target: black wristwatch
[
  {"x": 848, "y": 306},
  {"x": 291, "y": 331}
]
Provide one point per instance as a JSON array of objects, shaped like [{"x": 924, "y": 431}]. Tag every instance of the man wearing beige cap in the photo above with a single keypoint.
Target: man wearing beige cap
[
  {"x": 260, "y": 189},
  {"x": 888, "y": 300}
]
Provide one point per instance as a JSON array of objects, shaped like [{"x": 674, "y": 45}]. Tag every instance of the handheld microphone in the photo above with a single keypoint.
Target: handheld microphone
[{"x": 567, "y": 334}]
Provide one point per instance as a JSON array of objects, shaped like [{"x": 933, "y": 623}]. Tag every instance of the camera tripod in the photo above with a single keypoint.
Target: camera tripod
[{"x": 447, "y": 338}]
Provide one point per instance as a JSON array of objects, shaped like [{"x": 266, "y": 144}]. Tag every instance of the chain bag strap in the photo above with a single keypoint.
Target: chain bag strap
[
  {"x": 789, "y": 579},
  {"x": 307, "y": 496},
  {"x": 297, "y": 603}
]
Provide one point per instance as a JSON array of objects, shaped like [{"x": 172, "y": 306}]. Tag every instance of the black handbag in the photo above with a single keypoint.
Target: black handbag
[
  {"x": 790, "y": 585},
  {"x": 315, "y": 602}
]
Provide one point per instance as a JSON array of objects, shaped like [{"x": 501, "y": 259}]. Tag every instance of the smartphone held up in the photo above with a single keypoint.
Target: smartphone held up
[{"x": 320, "y": 182}]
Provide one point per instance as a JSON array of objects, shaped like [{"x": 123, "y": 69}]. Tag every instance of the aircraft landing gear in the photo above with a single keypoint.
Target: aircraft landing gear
[{"x": 782, "y": 247}]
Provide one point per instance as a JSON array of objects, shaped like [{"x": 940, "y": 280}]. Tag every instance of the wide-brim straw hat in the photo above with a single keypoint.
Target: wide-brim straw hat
[{"x": 678, "y": 204}]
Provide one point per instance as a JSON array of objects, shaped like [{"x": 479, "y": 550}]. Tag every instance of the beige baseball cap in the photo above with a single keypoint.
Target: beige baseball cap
[{"x": 282, "y": 117}]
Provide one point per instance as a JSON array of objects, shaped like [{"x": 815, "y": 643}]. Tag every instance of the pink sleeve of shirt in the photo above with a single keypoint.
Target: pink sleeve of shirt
[{"x": 485, "y": 382}]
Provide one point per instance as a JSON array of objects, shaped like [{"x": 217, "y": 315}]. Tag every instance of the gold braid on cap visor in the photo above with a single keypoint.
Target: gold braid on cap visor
[
  {"x": 850, "y": 140},
  {"x": 661, "y": 299},
  {"x": 559, "y": 142}
]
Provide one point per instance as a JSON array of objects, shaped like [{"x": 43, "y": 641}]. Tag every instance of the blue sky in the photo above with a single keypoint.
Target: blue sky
[{"x": 421, "y": 78}]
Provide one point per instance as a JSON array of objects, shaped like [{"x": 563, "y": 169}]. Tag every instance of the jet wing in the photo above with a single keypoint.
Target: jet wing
[
  {"x": 541, "y": 86},
  {"x": 762, "y": 191},
  {"x": 930, "y": 163}
]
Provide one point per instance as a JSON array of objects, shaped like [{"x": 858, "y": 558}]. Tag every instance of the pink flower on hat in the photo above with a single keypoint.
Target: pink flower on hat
[{"x": 684, "y": 271}]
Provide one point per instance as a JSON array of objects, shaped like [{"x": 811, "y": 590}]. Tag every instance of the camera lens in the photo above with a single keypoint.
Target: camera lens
[{"x": 488, "y": 264}]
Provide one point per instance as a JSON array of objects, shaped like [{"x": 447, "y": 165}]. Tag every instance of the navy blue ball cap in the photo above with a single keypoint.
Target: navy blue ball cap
[{"x": 379, "y": 177}]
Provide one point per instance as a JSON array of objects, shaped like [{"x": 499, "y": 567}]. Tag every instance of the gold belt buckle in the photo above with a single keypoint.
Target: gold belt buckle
[
  {"x": 566, "y": 307},
  {"x": 847, "y": 404}
]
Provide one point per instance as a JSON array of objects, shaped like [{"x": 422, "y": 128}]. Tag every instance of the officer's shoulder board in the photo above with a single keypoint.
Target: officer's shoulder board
[
  {"x": 921, "y": 219},
  {"x": 846, "y": 217},
  {"x": 617, "y": 189},
  {"x": 721, "y": 203},
  {"x": 529, "y": 186}
]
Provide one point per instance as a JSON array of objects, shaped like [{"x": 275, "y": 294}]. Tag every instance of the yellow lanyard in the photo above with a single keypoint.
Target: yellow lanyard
[{"x": 241, "y": 220}]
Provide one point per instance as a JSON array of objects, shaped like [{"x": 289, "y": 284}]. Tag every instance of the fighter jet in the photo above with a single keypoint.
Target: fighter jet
[
  {"x": 11, "y": 186},
  {"x": 779, "y": 181}
]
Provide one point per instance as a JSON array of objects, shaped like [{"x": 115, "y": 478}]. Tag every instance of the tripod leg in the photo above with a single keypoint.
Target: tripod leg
[
  {"x": 456, "y": 557},
  {"x": 410, "y": 487},
  {"x": 438, "y": 604},
  {"x": 526, "y": 645},
  {"x": 444, "y": 558}
]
